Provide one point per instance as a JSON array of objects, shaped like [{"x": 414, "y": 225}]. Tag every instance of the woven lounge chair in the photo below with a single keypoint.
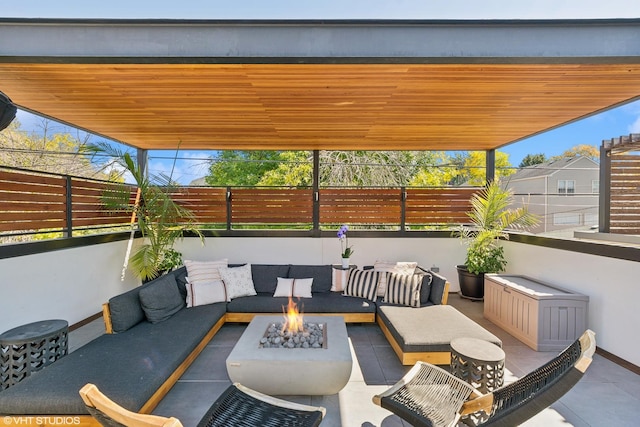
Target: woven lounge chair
[
  {"x": 430, "y": 396},
  {"x": 237, "y": 406}
]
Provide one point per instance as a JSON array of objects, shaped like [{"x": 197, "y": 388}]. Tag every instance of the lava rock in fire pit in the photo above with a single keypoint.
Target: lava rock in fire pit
[{"x": 312, "y": 336}]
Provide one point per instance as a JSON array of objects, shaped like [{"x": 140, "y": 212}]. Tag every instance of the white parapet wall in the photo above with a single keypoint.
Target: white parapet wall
[{"x": 69, "y": 284}]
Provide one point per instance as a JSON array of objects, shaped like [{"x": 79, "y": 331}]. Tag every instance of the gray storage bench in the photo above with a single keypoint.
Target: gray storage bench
[{"x": 425, "y": 333}]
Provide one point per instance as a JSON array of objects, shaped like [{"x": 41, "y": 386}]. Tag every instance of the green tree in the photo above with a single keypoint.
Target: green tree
[
  {"x": 295, "y": 169},
  {"x": 532, "y": 159},
  {"x": 238, "y": 167}
]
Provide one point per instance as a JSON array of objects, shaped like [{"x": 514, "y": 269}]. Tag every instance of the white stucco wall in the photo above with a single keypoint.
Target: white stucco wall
[
  {"x": 611, "y": 284},
  {"x": 69, "y": 284}
]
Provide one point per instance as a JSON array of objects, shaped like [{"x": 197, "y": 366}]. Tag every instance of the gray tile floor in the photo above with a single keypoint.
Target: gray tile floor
[{"x": 608, "y": 395}]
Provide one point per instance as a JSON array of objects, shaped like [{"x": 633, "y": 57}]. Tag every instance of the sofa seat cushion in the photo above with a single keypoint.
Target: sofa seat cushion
[
  {"x": 129, "y": 367},
  {"x": 320, "y": 302},
  {"x": 430, "y": 329}
]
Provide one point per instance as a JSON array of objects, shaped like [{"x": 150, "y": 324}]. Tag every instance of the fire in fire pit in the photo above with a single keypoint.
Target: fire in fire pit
[{"x": 294, "y": 332}]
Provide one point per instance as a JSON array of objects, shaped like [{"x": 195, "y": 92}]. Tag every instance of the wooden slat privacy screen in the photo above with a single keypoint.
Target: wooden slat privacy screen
[
  {"x": 624, "y": 216},
  {"x": 32, "y": 202}
]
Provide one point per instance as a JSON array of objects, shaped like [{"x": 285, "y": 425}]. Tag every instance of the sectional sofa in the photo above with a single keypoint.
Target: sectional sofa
[{"x": 152, "y": 338}]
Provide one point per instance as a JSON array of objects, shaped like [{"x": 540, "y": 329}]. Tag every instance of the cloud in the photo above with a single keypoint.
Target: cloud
[{"x": 635, "y": 126}]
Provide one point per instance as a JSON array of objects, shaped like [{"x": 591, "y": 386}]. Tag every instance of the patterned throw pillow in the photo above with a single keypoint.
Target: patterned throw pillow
[
  {"x": 403, "y": 289},
  {"x": 238, "y": 281},
  {"x": 363, "y": 284},
  {"x": 201, "y": 293}
]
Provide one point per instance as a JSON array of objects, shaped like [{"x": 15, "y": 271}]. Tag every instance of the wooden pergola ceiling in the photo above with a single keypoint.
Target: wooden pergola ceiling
[{"x": 318, "y": 106}]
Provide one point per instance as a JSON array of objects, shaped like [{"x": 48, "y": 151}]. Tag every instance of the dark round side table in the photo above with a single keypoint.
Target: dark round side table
[
  {"x": 31, "y": 347},
  {"x": 478, "y": 362}
]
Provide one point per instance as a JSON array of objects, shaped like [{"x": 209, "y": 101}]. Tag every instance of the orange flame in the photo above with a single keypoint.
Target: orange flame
[{"x": 293, "y": 319}]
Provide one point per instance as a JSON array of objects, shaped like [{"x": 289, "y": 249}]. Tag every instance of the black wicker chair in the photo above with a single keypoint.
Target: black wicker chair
[
  {"x": 430, "y": 396},
  {"x": 237, "y": 406}
]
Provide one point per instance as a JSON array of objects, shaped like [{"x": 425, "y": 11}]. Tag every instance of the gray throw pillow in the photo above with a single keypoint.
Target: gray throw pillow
[
  {"x": 425, "y": 290},
  {"x": 161, "y": 299}
]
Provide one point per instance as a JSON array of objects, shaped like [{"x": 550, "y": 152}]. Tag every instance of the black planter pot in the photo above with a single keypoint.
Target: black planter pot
[{"x": 471, "y": 285}]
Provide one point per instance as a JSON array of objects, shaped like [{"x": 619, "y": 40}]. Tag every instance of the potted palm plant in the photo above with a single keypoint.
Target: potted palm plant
[
  {"x": 160, "y": 220},
  {"x": 490, "y": 217}
]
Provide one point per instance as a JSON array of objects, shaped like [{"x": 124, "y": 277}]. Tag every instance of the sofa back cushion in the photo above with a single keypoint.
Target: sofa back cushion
[
  {"x": 321, "y": 274},
  {"x": 125, "y": 310},
  {"x": 161, "y": 299},
  {"x": 437, "y": 288},
  {"x": 265, "y": 276}
]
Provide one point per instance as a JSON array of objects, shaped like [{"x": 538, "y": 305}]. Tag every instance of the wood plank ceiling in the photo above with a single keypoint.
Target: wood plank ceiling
[{"x": 319, "y": 106}]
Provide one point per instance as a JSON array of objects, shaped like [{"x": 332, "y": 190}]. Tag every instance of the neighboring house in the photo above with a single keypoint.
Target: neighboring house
[{"x": 563, "y": 193}]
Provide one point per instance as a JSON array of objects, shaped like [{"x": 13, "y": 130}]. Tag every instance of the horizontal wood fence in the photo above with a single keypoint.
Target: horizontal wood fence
[
  {"x": 32, "y": 202},
  {"x": 624, "y": 210}
]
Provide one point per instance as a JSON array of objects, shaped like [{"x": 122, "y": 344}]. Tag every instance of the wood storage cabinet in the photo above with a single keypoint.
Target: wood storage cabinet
[{"x": 543, "y": 316}]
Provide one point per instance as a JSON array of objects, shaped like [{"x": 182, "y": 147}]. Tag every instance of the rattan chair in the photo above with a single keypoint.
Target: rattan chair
[
  {"x": 430, "y": 396},
  {"x": 237, "y": 406}
]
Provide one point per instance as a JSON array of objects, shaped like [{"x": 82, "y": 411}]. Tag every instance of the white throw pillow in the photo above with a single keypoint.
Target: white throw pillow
[
  {"x": 302, "y": 288},
  {"x": 204, "y": 271},
  {"x": 201, "y": 293},
  {"x": 238, "y": 281},
  {"x": 339, "y": 279},
  {"x": 287, "y": 287},
  {"x": 284, "y": 287},
  {"x": 401, "y": 267}
]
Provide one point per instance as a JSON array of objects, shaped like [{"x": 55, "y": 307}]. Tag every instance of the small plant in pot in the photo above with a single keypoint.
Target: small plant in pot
[{"x": 490, "y": 217}]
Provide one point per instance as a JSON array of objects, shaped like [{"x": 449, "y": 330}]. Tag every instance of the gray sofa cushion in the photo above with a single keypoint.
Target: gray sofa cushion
[
  {"x": 322, "y": 276},
  {"x": 428, "y": 329},
  {"x": 161, "y": 299},
  {"x": 425, "y": 289},
  {"x": 437, "y": 288},
  {"x": 128, "y": 367},
  {"x": 126, "y": 310},
  {"x": 322, "y": 302},
  {"x": 265, "y": 276}
]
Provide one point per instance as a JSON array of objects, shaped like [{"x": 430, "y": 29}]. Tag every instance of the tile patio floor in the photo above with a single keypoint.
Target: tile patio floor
[{"x": 608, "y": 395}]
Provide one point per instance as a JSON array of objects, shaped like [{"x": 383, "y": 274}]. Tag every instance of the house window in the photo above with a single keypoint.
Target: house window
[
  {"x": 595, "y": 186},
  {"x": 566, "y": 218},
  {"x": 566, "y": 186}
]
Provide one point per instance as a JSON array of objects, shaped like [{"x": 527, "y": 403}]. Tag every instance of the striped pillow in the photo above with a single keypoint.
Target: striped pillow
[
  {"x": 403, "y": 289},
  {"x": 363, "y": 284},
  {"x": 204, "y": 271}
]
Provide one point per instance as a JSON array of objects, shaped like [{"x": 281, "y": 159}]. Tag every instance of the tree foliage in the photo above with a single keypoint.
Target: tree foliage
[
  {"x": 584, "y": 150},
  {"x": 532, "y": 159},
  {"x": 473, "y": 169},
  {"x": 47, "y": 150},
  {"x": 353, "y": 168}
]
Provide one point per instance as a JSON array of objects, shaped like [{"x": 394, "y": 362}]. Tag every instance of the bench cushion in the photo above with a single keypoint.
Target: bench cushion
[
  {"x": 429, "y": 329},
  {"x": 322, "y": 275},
  {"x": 129, "y": 367}
]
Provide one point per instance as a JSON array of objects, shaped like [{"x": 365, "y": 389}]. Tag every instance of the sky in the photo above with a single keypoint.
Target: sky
[{"x": 592, "y": 131}]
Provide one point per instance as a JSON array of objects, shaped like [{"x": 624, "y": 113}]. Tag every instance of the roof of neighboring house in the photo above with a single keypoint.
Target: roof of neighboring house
[{"x": 548, "y": 168}]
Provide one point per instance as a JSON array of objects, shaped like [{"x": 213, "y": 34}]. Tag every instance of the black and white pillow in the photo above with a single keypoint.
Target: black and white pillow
[
  {"x": 403, "y": 289},
  {"x": 363, "y": 284}
]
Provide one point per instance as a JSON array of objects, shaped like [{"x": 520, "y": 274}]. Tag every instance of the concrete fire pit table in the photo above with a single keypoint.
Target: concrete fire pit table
[{"x": 292, "y": 371}]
